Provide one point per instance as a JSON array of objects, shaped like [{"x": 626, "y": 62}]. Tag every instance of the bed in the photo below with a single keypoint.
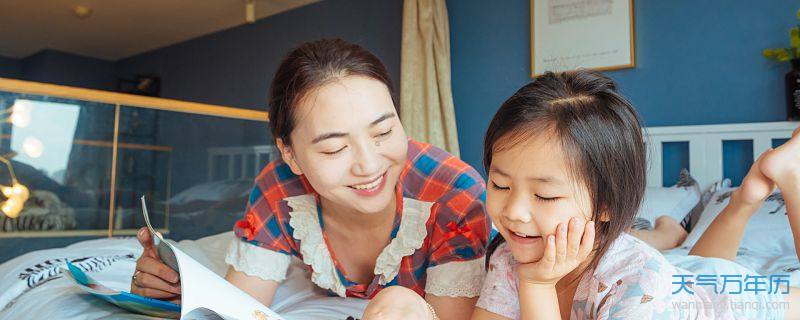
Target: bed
[
  {"x": 32, "y": 287},
  {"x": 713, "y": 154}
]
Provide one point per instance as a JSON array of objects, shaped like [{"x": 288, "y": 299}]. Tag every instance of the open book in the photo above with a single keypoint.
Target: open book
[{"x": 204, "y": 294}]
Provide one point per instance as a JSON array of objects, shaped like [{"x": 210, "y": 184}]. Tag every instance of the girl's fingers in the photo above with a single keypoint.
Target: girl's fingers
[
  {"x": 574, "y": 237},
  {"x": 587, "y": 243},
  {"x": 549, "y": 257},
  {"x": 561, "y": 243}
]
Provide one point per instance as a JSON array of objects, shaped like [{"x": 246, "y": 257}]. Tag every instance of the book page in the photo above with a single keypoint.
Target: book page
[
  {"x": 202, "y": 288},
  {"x": 204, "y": 314},
  {"x": 164, "y": 250},
  {"x": 203, "y": 291}
]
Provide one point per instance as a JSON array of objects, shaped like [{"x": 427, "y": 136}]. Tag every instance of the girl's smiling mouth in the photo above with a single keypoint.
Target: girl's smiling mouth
[{"x": 522, "y": 238}]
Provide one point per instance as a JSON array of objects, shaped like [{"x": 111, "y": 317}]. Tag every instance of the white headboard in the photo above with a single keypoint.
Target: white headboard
[
  {"x": 705, "y": 146},
  {"x": 239, "y": 162}
]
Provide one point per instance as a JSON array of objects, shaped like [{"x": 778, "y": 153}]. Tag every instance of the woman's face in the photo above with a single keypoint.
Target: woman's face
[
  {"x": 530, "y": 193},
  {"x": 349, "y": 143}
]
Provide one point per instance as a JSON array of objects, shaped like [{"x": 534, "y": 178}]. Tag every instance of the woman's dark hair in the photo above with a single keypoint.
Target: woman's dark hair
[
  {"x": 600, "y": 134},
  {"x": 311, "y": 65}
]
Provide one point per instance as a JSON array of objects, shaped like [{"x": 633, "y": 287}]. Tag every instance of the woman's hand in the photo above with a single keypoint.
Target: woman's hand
[
  {"x": 563, "y": 252},
  {"x": 152, "y": 277},
  {"x": 397, "y": 303}
]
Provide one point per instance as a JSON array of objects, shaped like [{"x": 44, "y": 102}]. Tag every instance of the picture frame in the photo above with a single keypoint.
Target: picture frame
[{"x": 573, "y": 34}]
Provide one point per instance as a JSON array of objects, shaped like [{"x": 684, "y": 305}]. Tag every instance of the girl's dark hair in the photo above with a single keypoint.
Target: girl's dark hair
[
  {"x": 600, "y": 134},
  {"x": 311, "y": 65}
]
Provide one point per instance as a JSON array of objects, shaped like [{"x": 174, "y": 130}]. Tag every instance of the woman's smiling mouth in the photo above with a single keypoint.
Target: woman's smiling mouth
[{"x": 370, "y": 188}]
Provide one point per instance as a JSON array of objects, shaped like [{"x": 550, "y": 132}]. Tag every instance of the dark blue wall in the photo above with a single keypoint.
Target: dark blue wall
[
  {"x": 698, "y": 62},
  {"x": 234, "y": 67},
  {"x": 10, "y": 68},
  {"x": 51, "y": 66}
]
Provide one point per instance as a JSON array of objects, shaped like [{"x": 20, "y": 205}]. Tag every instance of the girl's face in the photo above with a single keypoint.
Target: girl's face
[
  {"x": 531, "y": 192},
  {"x": 349, "y": 143}
]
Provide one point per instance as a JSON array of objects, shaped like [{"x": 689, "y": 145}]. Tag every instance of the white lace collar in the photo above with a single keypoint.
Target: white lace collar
[{"x": 409, "y": 238}]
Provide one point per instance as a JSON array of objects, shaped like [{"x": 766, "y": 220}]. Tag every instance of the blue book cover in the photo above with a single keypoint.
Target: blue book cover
[{"x": 126, "y": 300}]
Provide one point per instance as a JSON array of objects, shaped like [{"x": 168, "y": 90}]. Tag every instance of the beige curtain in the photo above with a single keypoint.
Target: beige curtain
[{"x": 426, "y": 99}]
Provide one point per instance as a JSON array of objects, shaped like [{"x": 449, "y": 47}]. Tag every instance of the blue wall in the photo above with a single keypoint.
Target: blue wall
[
  {"x": 698, "y": 62},
  {"x": 10, "y": 68},
  {"x": 234, "y": 67},
  {"x": 57, "y": 67},
  {"x": 52, "y": 66}
]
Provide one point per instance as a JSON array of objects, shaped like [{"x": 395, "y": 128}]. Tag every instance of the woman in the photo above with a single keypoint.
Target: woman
[{"x": 361, "y": 204}]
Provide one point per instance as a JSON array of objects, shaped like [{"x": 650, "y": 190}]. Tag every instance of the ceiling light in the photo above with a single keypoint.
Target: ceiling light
[
  {"x": 82, "y": 12},
  {"x": 250, "y": 11}
]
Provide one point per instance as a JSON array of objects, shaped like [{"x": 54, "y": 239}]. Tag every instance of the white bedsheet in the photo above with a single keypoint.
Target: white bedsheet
[
  {"x": 297, "y": 297},
  {"x": 114, "y": 261}
]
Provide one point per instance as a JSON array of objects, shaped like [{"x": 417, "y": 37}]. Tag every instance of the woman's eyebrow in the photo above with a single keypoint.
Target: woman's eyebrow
[
  {"x": 331, "y": 135},
  {"x": 385, "y": 116}
]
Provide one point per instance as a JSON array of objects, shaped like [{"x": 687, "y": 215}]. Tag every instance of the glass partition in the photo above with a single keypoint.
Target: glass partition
[
  {"x": 75, "y": 163},
  {"x": 196, "y": 170}
]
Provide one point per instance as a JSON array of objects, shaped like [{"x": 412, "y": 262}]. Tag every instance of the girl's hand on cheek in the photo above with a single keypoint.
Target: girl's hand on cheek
[{"x": 563, "y": 252}]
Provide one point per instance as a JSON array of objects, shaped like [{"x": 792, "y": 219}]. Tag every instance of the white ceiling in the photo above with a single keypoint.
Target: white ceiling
[{"x": 118, "y": 29}]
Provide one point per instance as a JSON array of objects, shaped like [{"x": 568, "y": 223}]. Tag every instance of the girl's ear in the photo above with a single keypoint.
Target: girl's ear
[{"x": 288, "y": 156}]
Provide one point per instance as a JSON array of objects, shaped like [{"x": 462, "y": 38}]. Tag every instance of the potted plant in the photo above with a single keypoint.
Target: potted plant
[{"x": 790, "y": 54}]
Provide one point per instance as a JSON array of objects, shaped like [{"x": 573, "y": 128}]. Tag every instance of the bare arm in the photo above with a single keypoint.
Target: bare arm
[
  {"x": 538, "y": 301},
  {"x": 481, "y": 314},
  {"x": 724, "y": 236},
  {"x": 262, "y": 290}
]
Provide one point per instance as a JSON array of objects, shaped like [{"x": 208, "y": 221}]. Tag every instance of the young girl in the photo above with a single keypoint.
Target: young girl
[
  {"x": 566, "y": 172},
  {"x": 566, "y": 167}
]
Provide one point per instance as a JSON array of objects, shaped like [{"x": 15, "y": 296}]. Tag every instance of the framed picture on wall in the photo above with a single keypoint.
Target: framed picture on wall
[{"x": 571, "y": 34}]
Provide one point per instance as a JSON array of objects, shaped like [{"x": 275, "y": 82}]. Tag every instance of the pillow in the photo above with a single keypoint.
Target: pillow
[
  {"x": 691, "y": 220},
  {"x": 767, "y": 231},
  {"x": 214, "y": 191},
  {"x": 681, "y": 202},
  {"x": 43, "y": 211},
  {"x": 676, "y": 202}
]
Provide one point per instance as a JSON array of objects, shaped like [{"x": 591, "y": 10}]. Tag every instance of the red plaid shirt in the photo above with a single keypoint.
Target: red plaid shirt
[{"x": 457, "y": 229}]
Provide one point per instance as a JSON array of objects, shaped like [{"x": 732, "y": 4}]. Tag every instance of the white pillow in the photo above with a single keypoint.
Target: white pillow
[
  {"x": 213, "y": 191},
  {"x": 676, "y": 202},
  {"x": 767, "y": 232}
]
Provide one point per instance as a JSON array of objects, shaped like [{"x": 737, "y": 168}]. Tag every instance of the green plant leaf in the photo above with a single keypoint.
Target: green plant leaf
[
  {"x": 768, "y": 53},
  {"x": 783, "y": 55}
]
